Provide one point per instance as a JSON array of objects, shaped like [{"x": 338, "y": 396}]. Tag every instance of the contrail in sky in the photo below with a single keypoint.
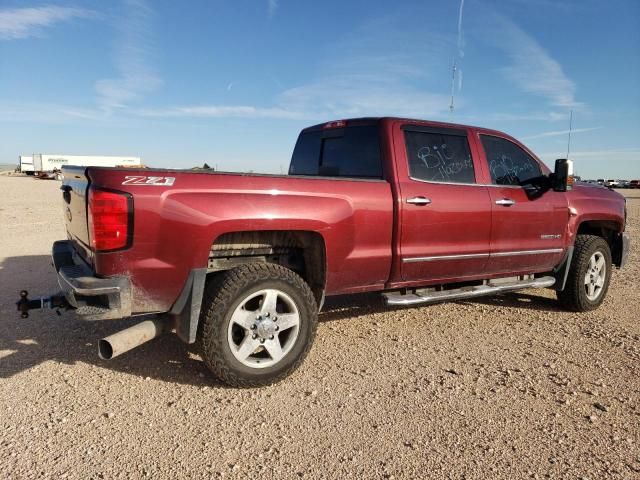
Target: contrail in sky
[
  {"x": 460, "y": 34},
  {"x": 457, "y": 69}
]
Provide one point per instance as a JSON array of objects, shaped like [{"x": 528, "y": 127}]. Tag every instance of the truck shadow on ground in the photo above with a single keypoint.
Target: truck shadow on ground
[{"x": 26, "y": 344}]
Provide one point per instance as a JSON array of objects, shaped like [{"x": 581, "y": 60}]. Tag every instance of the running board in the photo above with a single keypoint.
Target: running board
[{"x": 490, "y": 288}]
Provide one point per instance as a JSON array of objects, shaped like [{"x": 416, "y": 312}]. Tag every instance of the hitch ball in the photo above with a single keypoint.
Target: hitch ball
[
  {"x": 54, "y": 301},
  {"x": 23, "y": 304}
]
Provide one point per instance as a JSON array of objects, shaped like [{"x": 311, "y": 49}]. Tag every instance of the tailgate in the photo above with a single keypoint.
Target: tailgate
[{"x": 74, "y": 194}]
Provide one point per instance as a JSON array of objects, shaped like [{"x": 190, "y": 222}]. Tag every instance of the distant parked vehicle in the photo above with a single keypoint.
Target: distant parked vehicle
[
  {"x": 49, "y": 166},
  {"x": 611, "y": 183},
  {"x": 600, "y": 181},
  {"x": 623, "y": 183},
  {"x": 634, "y": 184},
  {"x": 26, "y": 164}
]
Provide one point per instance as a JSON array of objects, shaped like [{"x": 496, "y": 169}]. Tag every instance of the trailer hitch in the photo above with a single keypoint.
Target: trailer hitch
[{"x": 54, "y": 301}]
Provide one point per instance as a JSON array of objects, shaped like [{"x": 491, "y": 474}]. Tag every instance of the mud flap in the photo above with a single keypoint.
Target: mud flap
[
  {"x": 620, "y": 250},
  {"x": 561, "y": 272},
  {"x": 186, "y": 310}
]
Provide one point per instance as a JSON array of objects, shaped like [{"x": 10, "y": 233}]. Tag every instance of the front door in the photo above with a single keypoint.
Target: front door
[
  {"x": 528, "y": 231},
  {"x": 445, "y": 215}
]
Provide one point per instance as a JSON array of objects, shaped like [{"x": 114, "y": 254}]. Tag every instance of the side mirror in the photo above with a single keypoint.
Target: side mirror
[{"x": 563, "y": 175}]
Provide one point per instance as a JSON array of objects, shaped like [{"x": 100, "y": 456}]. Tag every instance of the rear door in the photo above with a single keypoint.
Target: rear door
[
  {"x": 528, "y": 230},
  {"x": 445, "y": 215}
]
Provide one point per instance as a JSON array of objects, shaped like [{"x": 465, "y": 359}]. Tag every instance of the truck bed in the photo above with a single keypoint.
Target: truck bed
[{"x": 179, "y": 214}]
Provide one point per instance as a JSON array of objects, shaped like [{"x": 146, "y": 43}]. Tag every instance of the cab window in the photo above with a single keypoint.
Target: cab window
[
  {"x": 438, "y": 155},
  {"x": 343, "y": 152},
  {"x": 508, "y": 163}
]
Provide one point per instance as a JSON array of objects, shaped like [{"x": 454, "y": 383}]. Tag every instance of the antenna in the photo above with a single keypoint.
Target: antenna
[
  {"x": 453, "y": 84},
  {"x": 569, "y": 141}
]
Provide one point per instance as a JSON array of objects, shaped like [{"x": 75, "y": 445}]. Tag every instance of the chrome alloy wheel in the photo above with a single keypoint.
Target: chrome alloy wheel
[
  {"x": 595, "y": 276},
  {"x": 263, "y": 328}
]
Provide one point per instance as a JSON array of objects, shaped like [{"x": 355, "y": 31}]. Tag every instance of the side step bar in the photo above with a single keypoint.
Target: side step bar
[{"x": 490, "y": 288}]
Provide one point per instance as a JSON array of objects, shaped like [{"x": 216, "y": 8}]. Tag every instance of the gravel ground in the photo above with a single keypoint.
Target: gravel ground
[{"x": 504, "y": 387}]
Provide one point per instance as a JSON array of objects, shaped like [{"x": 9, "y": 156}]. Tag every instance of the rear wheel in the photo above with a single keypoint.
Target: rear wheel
[
  {"x": 257, "y": 324},
  {"x": 589, "y": 274}
]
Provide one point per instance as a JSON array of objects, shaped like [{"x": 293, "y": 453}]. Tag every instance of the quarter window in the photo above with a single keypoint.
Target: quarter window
[
  {"x": 439, "y": 157},
  {"x": 344, "y": 152},
  {"x": 508, "y": 163}
]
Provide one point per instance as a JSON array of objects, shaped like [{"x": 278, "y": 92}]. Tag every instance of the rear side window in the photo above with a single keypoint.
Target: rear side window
[
  {"x": 508, "y": 163},
  {"x": 341, "y": 152},
  {"x": 439, "y": 157}
]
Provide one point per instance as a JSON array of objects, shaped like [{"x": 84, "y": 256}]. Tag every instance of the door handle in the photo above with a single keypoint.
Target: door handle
[
  {"x": 419, "y": 201},
  {"x": 505, "y": 202}
]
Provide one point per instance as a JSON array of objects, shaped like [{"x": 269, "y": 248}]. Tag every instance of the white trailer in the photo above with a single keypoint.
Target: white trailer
[
  {"x": 26, "y": 164},
  {"x": 48, "y": 163}
]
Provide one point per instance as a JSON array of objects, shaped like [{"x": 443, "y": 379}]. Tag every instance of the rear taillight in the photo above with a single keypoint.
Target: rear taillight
[{"x": 110, "y": 219}]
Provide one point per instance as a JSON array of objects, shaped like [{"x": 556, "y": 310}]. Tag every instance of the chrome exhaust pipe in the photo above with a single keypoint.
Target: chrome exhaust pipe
[{"x": 130, "y": 338}]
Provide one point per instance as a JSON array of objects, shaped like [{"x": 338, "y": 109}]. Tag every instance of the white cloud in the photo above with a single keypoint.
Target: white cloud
[
  {"x": 367, "y": 73},
  {"x": 632, "y": 154},
  {"x": 329, "y": 98},
  {"x": 532, "y": 69},
  {"x": 272, "y": 6},
  {"x": 612, "y": 163},
  {"x": 460, "y": 32},
  {"x": 560, "y": 133},
  {"x": 369, "y": 77},
  {"x": 136, "y": 76},
  {"x": 220, "y": 111},
  {"x": 44, "y": 112},
  {"x": 532, "y": 116},
  {"x": 506, "y": 119},
  {"x": 354, "y": 95},
  {"x": 20, "y": 23}
]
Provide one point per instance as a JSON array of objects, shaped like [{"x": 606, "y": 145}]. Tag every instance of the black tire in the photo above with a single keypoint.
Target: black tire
[
  {"x": 574, "y": 296},
  {"x": 224, "y": 294}
]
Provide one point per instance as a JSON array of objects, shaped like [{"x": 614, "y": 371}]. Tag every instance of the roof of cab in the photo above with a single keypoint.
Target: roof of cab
[{"x": 361, "y": 121}]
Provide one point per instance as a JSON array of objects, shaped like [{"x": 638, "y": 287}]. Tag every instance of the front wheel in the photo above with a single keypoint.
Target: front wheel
[
  {"x": 589, "y": 274},
  {"x": 258, "y": 322}
]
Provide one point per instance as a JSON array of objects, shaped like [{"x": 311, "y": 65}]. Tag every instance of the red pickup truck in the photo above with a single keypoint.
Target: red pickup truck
[{"x": 241, "y": 263}]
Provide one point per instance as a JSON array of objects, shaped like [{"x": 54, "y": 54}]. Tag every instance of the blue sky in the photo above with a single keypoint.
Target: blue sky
[{"x": 232, "y": 82}]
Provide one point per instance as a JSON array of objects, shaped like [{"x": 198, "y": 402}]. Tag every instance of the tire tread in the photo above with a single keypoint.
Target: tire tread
[
  {"x": 573, "y": 297},
  {"x": 219, "y": 295}
]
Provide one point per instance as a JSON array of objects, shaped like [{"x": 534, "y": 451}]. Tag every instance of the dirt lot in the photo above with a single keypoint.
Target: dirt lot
[{"x": 507, "y": 387}]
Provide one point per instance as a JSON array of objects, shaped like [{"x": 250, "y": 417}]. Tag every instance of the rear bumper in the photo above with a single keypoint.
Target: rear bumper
[{"x": 93, "y": 298}]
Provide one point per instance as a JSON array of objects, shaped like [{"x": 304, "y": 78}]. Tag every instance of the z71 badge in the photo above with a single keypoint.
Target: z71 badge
[{"x": 153, "y": 181}]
